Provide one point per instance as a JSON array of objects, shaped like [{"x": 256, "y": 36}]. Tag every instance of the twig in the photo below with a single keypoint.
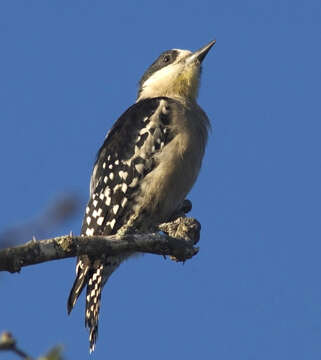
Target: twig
[
  {"x": 7, "y": 342},
  {"x": 35, "y": 252}
]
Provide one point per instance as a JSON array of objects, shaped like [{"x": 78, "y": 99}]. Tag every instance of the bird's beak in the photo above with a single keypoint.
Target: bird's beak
[{"x": 201, "y": 53}]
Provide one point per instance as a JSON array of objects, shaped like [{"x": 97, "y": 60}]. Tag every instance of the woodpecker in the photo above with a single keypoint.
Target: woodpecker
[{"x": 149, "y": 161}]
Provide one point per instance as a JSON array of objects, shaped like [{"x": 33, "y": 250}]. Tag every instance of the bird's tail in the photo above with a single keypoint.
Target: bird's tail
[
  {"x": 80, "y": 282},
  {"x": 97, "y": 278},
  {"x": 94, "y": 288},
  {"x": 94, "y": 274}
]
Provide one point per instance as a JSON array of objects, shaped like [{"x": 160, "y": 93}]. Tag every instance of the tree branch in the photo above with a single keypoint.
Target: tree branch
[
  {"x": 7, "y": 342},
  {"x": 180, "y": 248}
]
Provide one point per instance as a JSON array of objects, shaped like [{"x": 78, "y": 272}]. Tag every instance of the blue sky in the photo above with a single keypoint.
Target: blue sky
[{"x": 68, "y": 69}]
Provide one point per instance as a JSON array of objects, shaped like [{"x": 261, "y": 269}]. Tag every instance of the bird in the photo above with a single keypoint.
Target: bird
[{"x": 147, "y": 164}]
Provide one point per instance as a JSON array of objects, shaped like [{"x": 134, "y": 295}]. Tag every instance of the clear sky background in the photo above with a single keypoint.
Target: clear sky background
[{"x": 68, "y": 69}]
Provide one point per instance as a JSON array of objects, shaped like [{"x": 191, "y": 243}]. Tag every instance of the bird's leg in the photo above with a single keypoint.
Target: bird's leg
[
  {"x": 182, "y": 227},
  {"x": 185, "y": 208}
]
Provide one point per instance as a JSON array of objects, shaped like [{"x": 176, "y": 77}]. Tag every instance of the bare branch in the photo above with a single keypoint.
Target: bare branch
[
  {"x": 8, "y": 343},
  {"x": 33, "y": 252}
]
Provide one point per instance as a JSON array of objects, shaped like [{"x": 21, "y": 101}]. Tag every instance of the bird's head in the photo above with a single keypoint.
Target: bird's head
[{"x": 175, "y": 74}]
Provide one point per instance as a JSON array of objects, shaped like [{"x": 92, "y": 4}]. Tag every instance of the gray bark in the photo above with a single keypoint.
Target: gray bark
[{"x": 178, "y": 241}]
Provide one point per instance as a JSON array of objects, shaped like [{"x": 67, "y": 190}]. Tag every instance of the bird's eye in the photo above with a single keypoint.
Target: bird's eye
[{"x": 166, "y": 58}]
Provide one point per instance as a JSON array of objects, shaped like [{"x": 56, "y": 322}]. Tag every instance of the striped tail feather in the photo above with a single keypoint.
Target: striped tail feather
[
  {"x": 80, "y": 282},
  {"x": 92, "y": 273},
  {"x": 93, "y": 296}
]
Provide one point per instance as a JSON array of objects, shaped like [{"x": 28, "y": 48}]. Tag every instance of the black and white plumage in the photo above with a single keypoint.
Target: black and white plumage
[{"x": 146, "y": 166}]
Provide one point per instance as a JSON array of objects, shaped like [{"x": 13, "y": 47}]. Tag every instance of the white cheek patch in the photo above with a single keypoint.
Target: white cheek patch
[
  {"x": 166, "y": 73},
  {"x": 163, "y": 76},
  {"x": 159, "y": 83}
]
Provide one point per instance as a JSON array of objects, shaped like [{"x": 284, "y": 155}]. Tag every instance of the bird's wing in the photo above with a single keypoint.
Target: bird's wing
[{"x": 123, "y": 159}]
